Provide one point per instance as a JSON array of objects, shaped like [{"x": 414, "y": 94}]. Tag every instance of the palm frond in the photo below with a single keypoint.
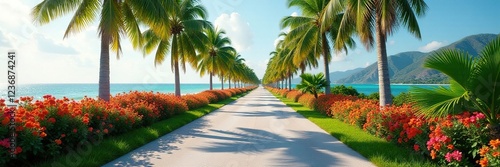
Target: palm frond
[
  {"x": 455, "y": 64},
  {"x": 444, "y": 101}
]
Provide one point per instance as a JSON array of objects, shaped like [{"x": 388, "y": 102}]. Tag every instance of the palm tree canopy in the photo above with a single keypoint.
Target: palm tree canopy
[{"x": 474, "y": 83}]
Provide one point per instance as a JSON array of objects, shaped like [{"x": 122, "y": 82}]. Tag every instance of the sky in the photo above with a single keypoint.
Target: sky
[{"x": 44, "y": 56}]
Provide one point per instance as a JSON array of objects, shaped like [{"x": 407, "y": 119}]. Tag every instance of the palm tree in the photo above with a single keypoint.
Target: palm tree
[
  {"x": 474, "y": 85},
  {"x": 116, "y": 19},
  {"x": 183, "y": 38},
  {"x": 235, "y": 67},
  {"x": 379, "y": 17},
  {"x": 218, "y": 54},
  {"x": 312, "y": 83},
  {"x": 311, "y": 35}
]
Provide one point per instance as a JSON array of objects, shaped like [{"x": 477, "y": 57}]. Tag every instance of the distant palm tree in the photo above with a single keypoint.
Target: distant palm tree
[
  {"x": 116, "y": 18},
  {"x": 235, "y": 67},
  {"x": 183, "y": 38},
  {"x": 379, "y": 17},
  {"x": 474, "y": 85},
  {"x": 218, "y": 54},
  {"x": 311, "y": 35},
  {"x": 312, "y": 83}
]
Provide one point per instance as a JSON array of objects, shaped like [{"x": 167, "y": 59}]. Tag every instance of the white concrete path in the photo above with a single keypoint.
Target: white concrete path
[{"x": 256, "y": 130}]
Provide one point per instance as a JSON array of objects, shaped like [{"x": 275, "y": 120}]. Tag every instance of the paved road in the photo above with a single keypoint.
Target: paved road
[{"x": 256, "y": 130}]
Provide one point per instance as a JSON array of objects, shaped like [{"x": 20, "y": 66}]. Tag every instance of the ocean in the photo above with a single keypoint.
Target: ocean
[{"x": 78, "y": 91}]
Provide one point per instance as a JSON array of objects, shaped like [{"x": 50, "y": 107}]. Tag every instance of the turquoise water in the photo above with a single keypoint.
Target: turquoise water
[{"x": 78, "y": 91}]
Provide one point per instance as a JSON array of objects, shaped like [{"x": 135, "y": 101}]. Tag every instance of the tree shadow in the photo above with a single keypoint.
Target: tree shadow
[{"x": 305, "y": 148}]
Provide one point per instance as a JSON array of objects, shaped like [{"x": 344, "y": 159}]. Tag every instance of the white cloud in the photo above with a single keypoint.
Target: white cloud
[
  {"x": 367, "y": 64},
  {"x": 237, "y": 29},
  {"x": 51, "y": 46},
  {"x": 294, "y": 14},
  {"x": 431, "y": 46},
  {"x": 338, "y": 57}
]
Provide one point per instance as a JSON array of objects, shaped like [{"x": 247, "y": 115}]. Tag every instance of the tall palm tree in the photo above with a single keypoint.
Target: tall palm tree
[
  {"x": 116, "y": 18},
  {"x": 474, "y": 85},
  {"x": 183, "y": 38},
  {"x": 218, "y": 54},
  {"x": 311, "y": 35},
  {"x": 379, "y": 17}
]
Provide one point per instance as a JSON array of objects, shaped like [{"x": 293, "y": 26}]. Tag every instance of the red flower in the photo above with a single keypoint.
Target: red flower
[
  {"x": 18, "y": 150},
  {"x": 416, "y": 147},
  {"x": 105, "y": 131},
  {"x": 52, "y": 120},
  {"x": 43, "y": 134},
  {"x": 58, "y": 141},
  {"x": 91, "y": 129},
  {"x": 75, "y": 131}
]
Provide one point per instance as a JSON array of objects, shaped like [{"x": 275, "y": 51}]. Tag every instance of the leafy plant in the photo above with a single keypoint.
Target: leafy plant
[
  {"x": 474, "y": 84},
  {"x": 312, "y": 83},
  {"x": 344, "y": 90}
]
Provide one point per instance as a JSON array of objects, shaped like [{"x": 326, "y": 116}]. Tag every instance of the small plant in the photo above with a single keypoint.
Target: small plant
[{"x": 312, "y": 83}]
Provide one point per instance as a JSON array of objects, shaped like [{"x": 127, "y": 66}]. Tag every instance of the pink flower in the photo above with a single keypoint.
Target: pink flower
[
  {"x": 5, "y": 143},
  {"x": 455, "y": 155}
]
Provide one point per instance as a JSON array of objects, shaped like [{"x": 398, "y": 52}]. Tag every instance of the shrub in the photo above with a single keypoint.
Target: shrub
[
  {"x": 343, "y": 90},
  {"x": 195, "y": 101},
  {"x": 402, "y": 99},
  {"x": 324, "y": 102},
  {"x": 307, "y": 100},
  {"x": 294, "y": 95}
]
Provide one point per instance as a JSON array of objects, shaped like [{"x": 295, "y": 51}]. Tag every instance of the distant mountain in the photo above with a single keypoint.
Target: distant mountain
[
  {"x": 335, "y": 76},
  {"x": 407, "y": 67}
]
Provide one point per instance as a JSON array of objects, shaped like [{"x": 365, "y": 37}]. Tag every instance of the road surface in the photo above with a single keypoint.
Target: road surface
[{"x": 256, "y": 130}]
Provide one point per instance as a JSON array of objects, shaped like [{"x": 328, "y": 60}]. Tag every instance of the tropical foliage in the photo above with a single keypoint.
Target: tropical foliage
[
  {"x": 453, "y": 140},
  {"x": 115, "y": 19},
  {"x": 375, "y": 17},
  {"x": 474, "y": 85},
  {"x": 313, "y": 84}
]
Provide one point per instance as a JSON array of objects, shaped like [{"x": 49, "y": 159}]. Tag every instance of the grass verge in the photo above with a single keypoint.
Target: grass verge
[
  {"x": 97, "y": 153},
  {"x": 379, "y": 151}
]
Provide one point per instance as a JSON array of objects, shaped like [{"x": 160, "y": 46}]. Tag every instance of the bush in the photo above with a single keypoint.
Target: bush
[
  {"x": 307, "y": 100},
  {"x": 402, "y": 98},
  {"x": 324, "y": 102},
  {"x": 343, "y": 90},
  {"x": 294, "y": 95},
  {"x": 195, "y": 101}
]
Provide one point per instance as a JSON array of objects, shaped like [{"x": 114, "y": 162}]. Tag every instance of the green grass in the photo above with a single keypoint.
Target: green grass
[
  {"x": 379, "y": 151},
  {"x": 98, "y": 153}
]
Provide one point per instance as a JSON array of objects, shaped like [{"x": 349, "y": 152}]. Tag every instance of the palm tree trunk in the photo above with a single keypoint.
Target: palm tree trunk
[
  {"x": 326, "y": 62},
  {"x": 211, "y": 83},
  {"x": 229, "y": 80},
  {"x": 222, "y": 80},
  {"x": 383, "y": 71},
  {"x": 290, "y": 81},
  {"x": 104, "y": 69},
  {"x": 177, "y": 79}
]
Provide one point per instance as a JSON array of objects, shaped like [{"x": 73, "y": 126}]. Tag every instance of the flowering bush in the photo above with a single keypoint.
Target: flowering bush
[
  {"x": 195, "y": 101},
  {"x": 353, "y": 112},
  {"x": 294, "y": 95},
  {"x": 490, "y": 154},
  {"x": 324, "y": 102},
  {"x": 307, "y": 100}
]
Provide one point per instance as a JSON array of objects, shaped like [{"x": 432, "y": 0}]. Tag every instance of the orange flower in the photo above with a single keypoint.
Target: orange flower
[
  {"x": 433, "y": 154},
  {"x": 496, "y": 154},
  {"x": 484, "y": 150},
  {"x": 495, "y": 143},
  {"x": 43, "y": 134},
  {"x": 105, "y": 131},
  {"x": 450, "y": 146},
  {"x": 58, "y": 141},
  {"x": 483, "y": 162}
]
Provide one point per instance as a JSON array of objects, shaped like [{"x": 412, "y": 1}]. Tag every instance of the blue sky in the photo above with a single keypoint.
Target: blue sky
[{"x": 253, "y": 25}]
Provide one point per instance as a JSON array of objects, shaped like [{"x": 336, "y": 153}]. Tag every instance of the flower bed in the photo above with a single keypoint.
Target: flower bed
[
  {"x": 50, "y": 127},
  {"x": 455, "y": 140}
]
